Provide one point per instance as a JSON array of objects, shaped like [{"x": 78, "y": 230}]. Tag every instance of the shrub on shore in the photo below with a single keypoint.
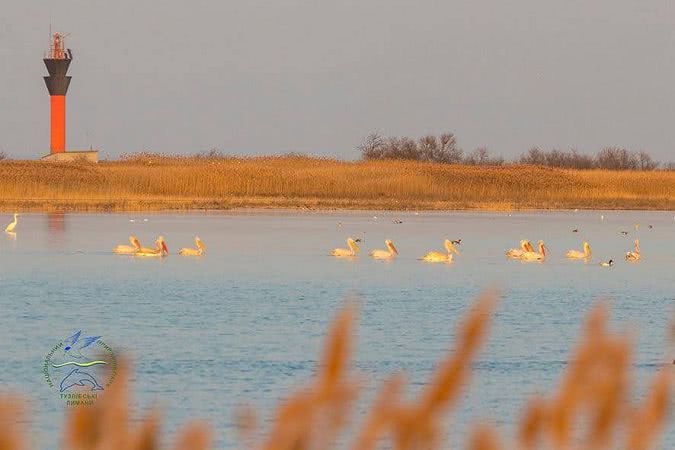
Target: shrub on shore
[{"x": 445, "y": 149}]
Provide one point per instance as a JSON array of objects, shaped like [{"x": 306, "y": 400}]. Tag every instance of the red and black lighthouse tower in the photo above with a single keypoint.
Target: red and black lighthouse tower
[{"x": 58, "y": 60}]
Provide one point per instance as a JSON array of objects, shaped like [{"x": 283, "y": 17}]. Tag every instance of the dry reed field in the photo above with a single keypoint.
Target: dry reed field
[
  {"x": 149, "y": 182},
  {"x": 592, "y": 408}
]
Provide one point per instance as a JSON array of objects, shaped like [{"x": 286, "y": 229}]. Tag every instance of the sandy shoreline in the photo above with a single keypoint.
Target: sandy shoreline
[{"x": 290, "y": 205}]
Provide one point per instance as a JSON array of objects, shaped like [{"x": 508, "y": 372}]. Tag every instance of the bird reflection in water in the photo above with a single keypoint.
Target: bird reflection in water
[{"x": 56, "y": 228}]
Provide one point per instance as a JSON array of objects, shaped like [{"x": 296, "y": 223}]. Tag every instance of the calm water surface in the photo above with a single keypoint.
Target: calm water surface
[{"x": 244, "y": 324}]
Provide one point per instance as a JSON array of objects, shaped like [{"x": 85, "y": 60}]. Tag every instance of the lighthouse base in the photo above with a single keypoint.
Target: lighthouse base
[{"x": 87, "y": 155}]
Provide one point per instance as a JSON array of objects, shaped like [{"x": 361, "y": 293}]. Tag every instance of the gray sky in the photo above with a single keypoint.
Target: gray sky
[{"x": 317, "y": 76}]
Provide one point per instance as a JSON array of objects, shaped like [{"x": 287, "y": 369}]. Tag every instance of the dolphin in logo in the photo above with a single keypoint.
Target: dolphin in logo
[{"x": 78, "y": 377}]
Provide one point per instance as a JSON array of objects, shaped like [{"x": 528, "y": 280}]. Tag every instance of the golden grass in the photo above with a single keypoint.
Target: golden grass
[
  {"x": 157, "y": 182},
  {"x": 591, "y": 409}
]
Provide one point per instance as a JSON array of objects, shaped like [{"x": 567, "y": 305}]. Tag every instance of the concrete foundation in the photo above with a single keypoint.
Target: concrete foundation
[{"x": 87, "y": 155}]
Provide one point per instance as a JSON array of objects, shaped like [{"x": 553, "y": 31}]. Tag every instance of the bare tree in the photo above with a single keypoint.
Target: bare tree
[
  {"x": 615, "y": 158},
  {"x": 570, "y": 159},
  {"x": 443, "y": 149},
  {"x": 534, "y": 156},
  {"x": 449, "y": 151},
  {"x": 482, "y": 157},
  {"x": 428, "y": 148},
  {"x": 3, "y": 155},
  {"x": 577, "y": 160},
  {"x": 393, "y": 149},
  {"x": 610, "y": 158},
  {"x": 645, "y": 161},
  {"x": 409, "y": 149},
  {"x": 478, "y": 157},
  {"x": 372, "y": 147}
]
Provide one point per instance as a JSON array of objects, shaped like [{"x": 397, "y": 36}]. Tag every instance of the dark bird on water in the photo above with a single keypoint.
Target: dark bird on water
[
  {"x": 576, "y": 230},
  {"x": 397, "y": 221},
  {"x": 625, "y": 233},
  {"x": 457, "y": 242}
]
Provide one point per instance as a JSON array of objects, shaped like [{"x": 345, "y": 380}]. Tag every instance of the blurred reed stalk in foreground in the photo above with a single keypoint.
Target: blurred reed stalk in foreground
[{"x": 590, "y": 409}]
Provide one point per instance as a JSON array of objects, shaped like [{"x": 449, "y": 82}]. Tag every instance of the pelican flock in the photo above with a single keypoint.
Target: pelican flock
[{"x": 525, "y": 251}]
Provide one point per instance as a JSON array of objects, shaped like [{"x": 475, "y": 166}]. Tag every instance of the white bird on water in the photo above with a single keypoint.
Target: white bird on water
[
  {"x": 535, "y": 256},
  {"x": 160, "y": 250},
  {"x": 442, "y": 257},
  {"x": 576, "y": 254},
  {"x": 199, "y": 251},
  {"x": 12, "y": 226},
  {"x": 634, "y": 255},
  {"x": 390, "y": 253},
  {"x": 351, "y": 251},
  {"x": 525, "y": 246},
  {"x": 128, "y": 249}
]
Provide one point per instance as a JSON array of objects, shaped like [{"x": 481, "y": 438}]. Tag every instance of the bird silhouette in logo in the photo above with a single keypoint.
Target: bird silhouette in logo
[{"x": 75, "y": 344}]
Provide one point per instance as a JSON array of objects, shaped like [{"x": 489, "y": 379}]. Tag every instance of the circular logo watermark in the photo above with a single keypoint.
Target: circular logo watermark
[{"x": 79, "y": 368}]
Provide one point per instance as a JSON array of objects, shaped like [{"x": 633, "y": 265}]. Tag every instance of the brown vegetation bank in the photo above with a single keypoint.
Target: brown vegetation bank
[{"x": 173, "y": 183}]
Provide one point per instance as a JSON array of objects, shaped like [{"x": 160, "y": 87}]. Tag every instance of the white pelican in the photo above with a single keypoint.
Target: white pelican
[
  {"x": 576, "y": 254},
  {"x": 525, "y": 246},
  {"x": 128, "y": 249},
  {"x": 12, "y": 226},
  {"x": 609, "y": 263},
  {"x": 351, "y": 251},
  {"x": 390, "y": 253},
  {"x": 160, "y": 249},
  {"x": 199, "y": 251},
  {"x": 535, "y": 256},
  {"x": 634, "y": 255},
  {"x": 442, "y": 257}
]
